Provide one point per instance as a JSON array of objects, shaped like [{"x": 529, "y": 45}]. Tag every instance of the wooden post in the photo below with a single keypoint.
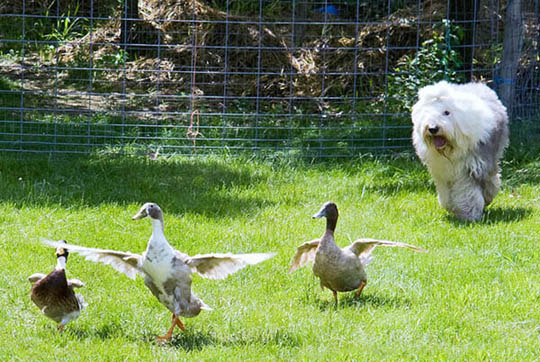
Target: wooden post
[{"x": 512, "y": 44}]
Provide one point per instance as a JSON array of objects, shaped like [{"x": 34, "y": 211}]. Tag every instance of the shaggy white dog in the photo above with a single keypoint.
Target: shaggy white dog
[{"x": 460, "y": 133}]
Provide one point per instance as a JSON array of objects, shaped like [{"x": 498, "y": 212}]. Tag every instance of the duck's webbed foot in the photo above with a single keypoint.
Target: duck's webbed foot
[
  {"x": 60, "y": 328},
  {"x": 167, "y": 336}
]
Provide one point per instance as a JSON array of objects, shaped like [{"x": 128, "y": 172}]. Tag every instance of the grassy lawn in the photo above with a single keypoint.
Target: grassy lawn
[{"x": 474, "y": 296}]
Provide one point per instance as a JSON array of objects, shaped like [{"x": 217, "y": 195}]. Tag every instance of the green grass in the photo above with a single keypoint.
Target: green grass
[{"x": 474, "y": 296}]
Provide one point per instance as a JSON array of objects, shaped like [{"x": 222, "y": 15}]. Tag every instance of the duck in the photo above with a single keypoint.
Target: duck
[
  {"x": 54, "y": 294},
  {"x": 339, "y": 269},
  {"x": 167, "y": 271}
]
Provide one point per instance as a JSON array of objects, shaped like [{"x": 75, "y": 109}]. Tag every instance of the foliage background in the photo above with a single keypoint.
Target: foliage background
[{"x": 312, "y": 79}]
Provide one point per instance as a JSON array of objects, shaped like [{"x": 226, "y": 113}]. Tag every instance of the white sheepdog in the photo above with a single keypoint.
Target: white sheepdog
[{"x": 460, "y": 133}]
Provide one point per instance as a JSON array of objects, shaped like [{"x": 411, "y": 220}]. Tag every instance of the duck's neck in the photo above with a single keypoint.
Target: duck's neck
[
  {"x": 61, "y": 263},
  {"x": 157, "y": 228},
  {"x": 331, "y": 225},
  {"x": 158, "y": 236},
  {"x": 330, "y": 228}
]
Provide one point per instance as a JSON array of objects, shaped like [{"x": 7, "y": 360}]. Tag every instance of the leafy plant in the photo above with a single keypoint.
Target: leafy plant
[
  {"x": 113, "y": 59},
  {"x": 436, "y": 60},
  {"x": 67, "y": 27},
  {"x": 64, "y": 27}
]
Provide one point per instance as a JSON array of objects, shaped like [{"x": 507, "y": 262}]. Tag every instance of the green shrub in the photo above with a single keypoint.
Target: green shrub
[{"x": 436, "y": 60}]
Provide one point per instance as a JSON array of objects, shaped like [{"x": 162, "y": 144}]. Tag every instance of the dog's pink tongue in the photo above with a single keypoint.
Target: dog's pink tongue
[{"x": 439, "y": 141}]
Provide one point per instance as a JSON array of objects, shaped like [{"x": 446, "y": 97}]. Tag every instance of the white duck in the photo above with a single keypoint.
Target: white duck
[
  {"x": 339, "y": 269},
  {"x": 166, "y": 271}
]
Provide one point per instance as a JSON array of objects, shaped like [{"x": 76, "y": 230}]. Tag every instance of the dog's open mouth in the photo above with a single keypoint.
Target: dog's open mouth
[{"x": 439, "y": 141}]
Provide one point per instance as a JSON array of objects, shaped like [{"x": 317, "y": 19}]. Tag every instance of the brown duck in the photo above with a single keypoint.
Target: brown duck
[
  {"x": 339, "y": 269},
  {"x": 53, "y": 293}
]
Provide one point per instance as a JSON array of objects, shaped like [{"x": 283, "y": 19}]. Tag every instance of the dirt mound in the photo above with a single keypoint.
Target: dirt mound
[{"x": 188, "y": 47}]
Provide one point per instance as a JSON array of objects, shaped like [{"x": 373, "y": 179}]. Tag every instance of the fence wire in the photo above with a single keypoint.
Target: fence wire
[{"x": 308, "y": 78}]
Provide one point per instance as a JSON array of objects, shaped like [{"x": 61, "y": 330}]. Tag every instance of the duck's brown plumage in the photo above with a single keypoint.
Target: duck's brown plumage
[
  {"x": 53, "y": 293},
  {"x": 54, "y": 296}
]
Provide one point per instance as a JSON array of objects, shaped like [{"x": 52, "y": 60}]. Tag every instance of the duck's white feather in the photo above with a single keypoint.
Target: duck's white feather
[
  {"x": 219, "y": 266},
  {"x": 364, "y": 247},
  {"x": 81, "y": 301},
  {"x": 36, "y": 277},
  {"x": 75, "y": 283},
  {"x": 304, "y": 254},
  {"x": 124, "y": 262}
]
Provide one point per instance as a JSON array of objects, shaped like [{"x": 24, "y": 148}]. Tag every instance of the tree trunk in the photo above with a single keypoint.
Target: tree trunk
[{"x": 512, "y": 44}]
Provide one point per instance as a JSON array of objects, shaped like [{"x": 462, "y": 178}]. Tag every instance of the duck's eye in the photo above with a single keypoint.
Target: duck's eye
[{"x": 446, "y": 113}]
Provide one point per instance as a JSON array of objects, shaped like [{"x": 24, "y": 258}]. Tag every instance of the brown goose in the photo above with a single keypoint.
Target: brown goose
[
  {"x": 339, "y": 269},
  {"x": 167, "y": 271},
  {"x": 53, "y": 293}
]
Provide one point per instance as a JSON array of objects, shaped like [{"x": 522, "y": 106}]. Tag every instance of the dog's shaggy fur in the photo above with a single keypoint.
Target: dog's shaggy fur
[{"x": 460, "y": 133}]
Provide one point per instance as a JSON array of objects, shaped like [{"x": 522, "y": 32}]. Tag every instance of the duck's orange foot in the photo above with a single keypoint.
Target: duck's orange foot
[
  {"x": 165, "y": 338},
  {"x": 180, "y": 324},
  {"x": 359, "y": 291},
  {"x": 175, "y": 322},
  {"x": 60, "y": 328},
  {"x": 335, "y": 297}
]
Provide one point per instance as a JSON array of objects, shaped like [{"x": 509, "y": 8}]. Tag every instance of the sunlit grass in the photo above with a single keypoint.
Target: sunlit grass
[{"x": 473, "y": 296}]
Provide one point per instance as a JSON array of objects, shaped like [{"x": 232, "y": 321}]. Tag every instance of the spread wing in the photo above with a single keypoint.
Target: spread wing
[
  {"x": 304, "y": 253},
  {"x": 218, "y": 266},
  {"x": 75, "y": 283},
  {"x": 124, "y": 262},
  {"x": 363, "y": 247},
  {"x": 36, "y": 277},
  {"x": 181, "y": 256}
]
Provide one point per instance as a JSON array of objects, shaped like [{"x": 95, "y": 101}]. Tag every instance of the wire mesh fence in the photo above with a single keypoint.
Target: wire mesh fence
[{"x": 309, "y": 78}]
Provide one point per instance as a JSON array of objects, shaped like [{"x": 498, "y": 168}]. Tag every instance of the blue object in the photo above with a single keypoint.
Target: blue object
[
  {"x": 499, "y": 80},
  {"x": 329, "y": 9}
]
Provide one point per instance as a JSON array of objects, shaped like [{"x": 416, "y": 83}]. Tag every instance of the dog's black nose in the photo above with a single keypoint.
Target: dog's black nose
[{"x": 433, "y": 130}]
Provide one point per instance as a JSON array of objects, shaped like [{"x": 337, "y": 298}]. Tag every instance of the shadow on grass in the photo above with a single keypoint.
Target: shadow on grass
[
  {"x": 373, "y": 300},
  {"x": 279, "y": 337},
  {"x": 495, "y": 215},
  {"x": 411, "y": 184},
  {"x": 195, "y": 185},
  {"x": 189, "y": 340},
  {"x": 196, "y": 340},
  {"x": 505, "y": 214},
  {"x": 103, "y": 332},
  {"x": 350, "y": 300},
  {"x": 192, "y": 340},
  {"x": 392, "y": 176},
  {"x": 521, "y": 164}
]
